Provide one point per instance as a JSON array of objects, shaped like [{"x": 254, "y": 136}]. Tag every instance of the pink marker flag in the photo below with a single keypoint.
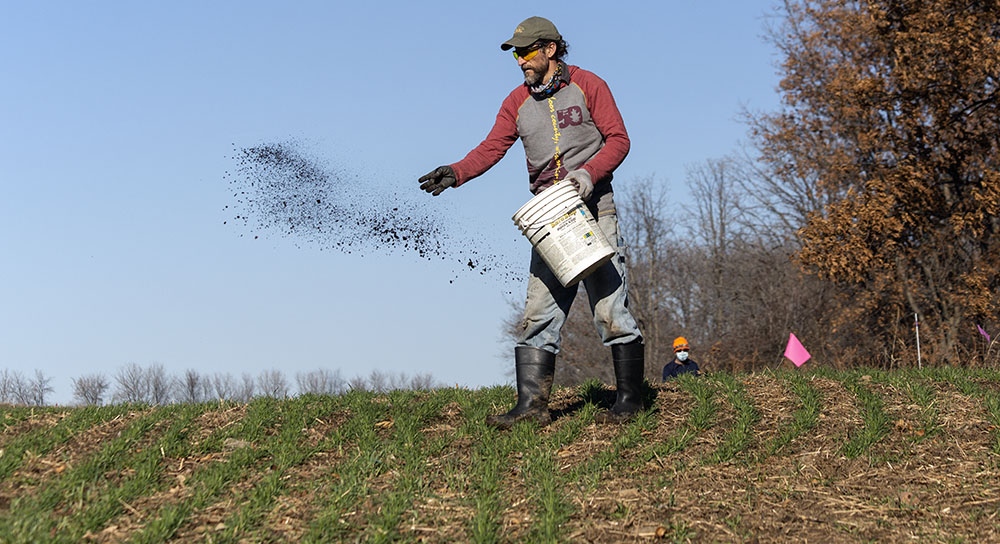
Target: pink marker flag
[
  {"x": 795, "y": 351},
  {"x": 982, "y": 332}
]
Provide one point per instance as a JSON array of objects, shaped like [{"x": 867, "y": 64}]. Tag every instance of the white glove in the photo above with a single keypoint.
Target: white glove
[{"x": 581, "y": 178}]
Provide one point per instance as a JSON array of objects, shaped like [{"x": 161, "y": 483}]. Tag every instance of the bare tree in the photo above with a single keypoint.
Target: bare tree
[
  {"x": 398, "y": 381},
  {"x": 272, "y": 383},
  {"x": 357, "y": 383},
  {"x": 132, "y": 384},
  {"x": 718, "y": 203},
  {"x": 246, "y": 389},
  {"x": 20, "y": 389},
  {"x": 89, "y": 389},
  {"x": 776, "y": 204},
  {"x": 321, "y": 381},
  {"x": 160, "y": 384},
  {"x": 192, "y": 387},
  {"x": 658, "y": 280},
  {"x": 378, "y": 381},
  {"x": 422, "y": 382},
  {"x": 143, "y": 385},
  {"x": 34, "y": 390},
  {"x": 222, "y": 386},
  {"x": 7, "y": 386}
]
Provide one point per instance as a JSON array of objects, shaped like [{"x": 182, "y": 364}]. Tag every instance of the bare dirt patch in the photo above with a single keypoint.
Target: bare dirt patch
[
  {"x": 775, "y": 404},
  {"x": 965, "y": 418}
]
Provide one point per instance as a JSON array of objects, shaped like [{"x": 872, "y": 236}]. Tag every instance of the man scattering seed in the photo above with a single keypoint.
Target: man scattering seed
[{"x": 572, "y": 131}]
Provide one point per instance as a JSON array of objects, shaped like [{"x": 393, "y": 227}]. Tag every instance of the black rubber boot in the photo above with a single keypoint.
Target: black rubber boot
[
  {"x": 534, "y": 368},
  {"x": 629, "y": 362}
]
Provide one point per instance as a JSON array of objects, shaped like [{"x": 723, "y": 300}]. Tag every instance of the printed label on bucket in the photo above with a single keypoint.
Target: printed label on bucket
[
  {"x": 564, "y": 233},
  {"x": 571, "y": 233}
]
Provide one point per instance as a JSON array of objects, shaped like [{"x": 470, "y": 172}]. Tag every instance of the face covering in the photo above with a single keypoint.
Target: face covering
[{"x": 682, "y": 356}]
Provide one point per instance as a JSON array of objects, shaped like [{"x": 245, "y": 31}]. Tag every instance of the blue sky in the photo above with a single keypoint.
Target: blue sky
[{"x": 118, "y": 121}]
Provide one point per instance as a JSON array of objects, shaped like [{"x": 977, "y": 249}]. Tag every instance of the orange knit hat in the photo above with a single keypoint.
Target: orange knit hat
[{"x": 680, "y": 343}]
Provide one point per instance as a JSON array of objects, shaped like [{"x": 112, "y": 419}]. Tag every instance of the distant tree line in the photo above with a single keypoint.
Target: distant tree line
[
  {"x": 153, "y": 384},
  {"x": 870, "y": 197}
]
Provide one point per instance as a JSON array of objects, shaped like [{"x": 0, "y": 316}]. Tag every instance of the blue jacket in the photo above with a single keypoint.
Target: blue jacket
[{"x": 675, "y": 368}]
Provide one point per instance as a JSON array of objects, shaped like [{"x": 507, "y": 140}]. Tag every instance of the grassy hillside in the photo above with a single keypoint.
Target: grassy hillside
[{"x": 768, "y": 457}]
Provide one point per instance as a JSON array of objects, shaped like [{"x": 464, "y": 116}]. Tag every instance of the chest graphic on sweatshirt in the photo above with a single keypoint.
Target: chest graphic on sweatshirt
[{"x": 571, "y": 116}]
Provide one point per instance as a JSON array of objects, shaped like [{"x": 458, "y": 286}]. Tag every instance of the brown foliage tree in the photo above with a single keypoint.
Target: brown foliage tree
[{"x": 892, "y": 111}]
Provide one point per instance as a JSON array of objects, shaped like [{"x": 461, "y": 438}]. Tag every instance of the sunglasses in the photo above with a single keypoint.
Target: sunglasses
[{"x": 527, "y": 53}]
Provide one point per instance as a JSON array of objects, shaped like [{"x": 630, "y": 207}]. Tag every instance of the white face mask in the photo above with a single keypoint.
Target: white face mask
[{"x": 682, "y": 356}]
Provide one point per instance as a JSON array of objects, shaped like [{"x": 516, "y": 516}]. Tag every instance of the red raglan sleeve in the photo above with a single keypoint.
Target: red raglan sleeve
[
  {"x": 608, "y": 121},
  {"x": 495, "y": 146}
]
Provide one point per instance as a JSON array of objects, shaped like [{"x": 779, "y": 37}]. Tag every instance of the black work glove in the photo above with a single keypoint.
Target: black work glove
[{"x": 438, "y": 180}]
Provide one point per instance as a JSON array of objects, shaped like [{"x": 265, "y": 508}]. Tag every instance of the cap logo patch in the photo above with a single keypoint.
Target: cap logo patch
[{"x": 519, "y": 30}]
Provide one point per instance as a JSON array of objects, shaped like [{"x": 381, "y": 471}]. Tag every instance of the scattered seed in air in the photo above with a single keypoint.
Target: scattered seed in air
[{"x": 281, "y": 189}]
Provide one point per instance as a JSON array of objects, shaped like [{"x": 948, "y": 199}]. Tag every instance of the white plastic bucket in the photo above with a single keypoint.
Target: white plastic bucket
[{"x": 564, "y": 233}]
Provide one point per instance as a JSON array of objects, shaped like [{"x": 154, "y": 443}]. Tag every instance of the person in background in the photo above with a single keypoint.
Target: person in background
[{"x": 682, "y": 362}]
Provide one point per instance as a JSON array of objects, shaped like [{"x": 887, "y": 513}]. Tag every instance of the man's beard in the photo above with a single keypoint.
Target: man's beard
[{"x": 533, "y": 77}]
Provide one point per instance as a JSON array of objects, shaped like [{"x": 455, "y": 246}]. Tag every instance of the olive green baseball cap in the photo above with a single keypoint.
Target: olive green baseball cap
[{"x": 530, "y": 31}]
